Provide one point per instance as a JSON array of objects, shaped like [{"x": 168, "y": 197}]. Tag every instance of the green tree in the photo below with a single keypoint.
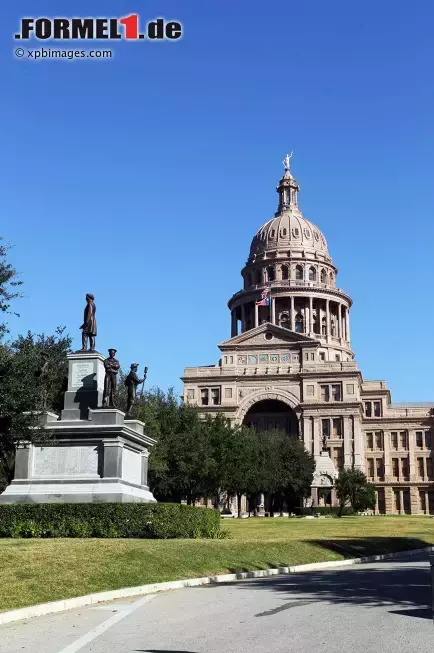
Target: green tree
[
  {"x": 9, "y": 283},
  {"x": 352, "y": 488},
  {"x": 33, "y": 375},
  {"x": 240, "y": 465}
]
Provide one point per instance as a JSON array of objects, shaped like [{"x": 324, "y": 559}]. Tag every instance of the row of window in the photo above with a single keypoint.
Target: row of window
[
  {"x": 400, "y": 468},
  {"x": 372, "y": 408},
  {"x": 331, "y": 427},
  {"x": 399, "y": 440},
  {"x": 331, "y": 392},
  {"x": 401, "y": 501},
  {"x": 273, "y": 273}
]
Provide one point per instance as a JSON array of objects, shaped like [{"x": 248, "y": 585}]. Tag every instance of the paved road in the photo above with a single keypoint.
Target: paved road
[{"x": 382, "y": 608}]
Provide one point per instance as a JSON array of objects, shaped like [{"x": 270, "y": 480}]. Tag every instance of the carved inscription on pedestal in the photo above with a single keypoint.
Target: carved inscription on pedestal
[
  {"x": 82, "y": 374},
  {"x": 65, "y": 461}
]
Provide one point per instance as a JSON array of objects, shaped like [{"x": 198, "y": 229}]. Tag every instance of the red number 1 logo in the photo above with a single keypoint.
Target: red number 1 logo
[{"x": 131, "y": 24}]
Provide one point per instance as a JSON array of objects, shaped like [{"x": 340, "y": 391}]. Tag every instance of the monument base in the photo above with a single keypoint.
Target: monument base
[{"x": 105, "y": 490}]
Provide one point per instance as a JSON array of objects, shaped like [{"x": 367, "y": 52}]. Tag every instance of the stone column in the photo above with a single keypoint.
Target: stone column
[
  {"x": 411, "y": 459},
  {"x": 233, "y": 323},
  {"x": 273, "y": 310},
  {"x": 243, "y": 318},
  {"x": 347, "y": 320},
  {"x": 22, "y": 461},
  {"x": 307, "y": 433},
  {"x": 310, "y": 315},
  {"x": 340, "y": 321},
  {"x": 348, "y": 453},
  {"x": 316, "y": 436},
  {"x": 328, "y": 329},
  {"x": 145, "y": 456},
  {"x": 358, "y": 445},
  {"x": 113, "y": 459},
  {"x": 256, "y": 314},
  {"x": 292, "y": 313},
  {"x": 401, "y": 502}
]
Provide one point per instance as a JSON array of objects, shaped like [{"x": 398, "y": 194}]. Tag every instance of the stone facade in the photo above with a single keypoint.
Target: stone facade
[{"x": 289, "y": 365}]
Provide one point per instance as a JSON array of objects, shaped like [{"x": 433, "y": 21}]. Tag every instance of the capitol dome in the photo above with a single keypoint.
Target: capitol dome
[{"x": 288, "y": 230}]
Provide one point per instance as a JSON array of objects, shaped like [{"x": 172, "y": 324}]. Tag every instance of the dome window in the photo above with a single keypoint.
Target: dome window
[
  {"x": 296, "y": 232},
  {"x": 307, "y": 233},
  {"x": 316, "y": 234},
  {"x": 285, "y": 272},
  {"x": 312, "y": 274},
  {"x": 273, "y": 233},
  {"x": 299, "y": 272},
  {"x": 258, "y": 277},
  {"x": 284, "y": 232},
  {"x": 323, "y": 276},
  {"x": 271, "y": 273},
  {"x": 299, "y": 323}
]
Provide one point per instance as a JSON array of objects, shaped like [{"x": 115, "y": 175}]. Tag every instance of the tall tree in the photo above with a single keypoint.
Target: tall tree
[
  {"x": 352, "y": 488},
  {"x": 33, "y": 371},
  {"x": 9, "y": 284}
]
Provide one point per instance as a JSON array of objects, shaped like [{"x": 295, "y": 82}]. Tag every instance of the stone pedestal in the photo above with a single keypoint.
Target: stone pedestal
[
  {"x": 324, "y": 476},
  {"x": 91, "y": 454}
]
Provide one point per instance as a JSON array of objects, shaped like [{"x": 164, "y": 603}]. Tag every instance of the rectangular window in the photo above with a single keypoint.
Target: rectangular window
[
  {"x": 226, "y": 360},
  {"x": 204, "y": 397},
  {"x": 350, "y": 388},
  {"x": 370, "y": 467},
  {"x": 325, "y": 424},
  {"x": 394, "y": 440},
  {"x": 310, "y": 390},
  {"x": 190, "y": 394},
  {"x": 429, "y": 469},
  {"x": 325, "y": 393},
  {"x": 420, "y": 468},
  {"x": 231, "y": 360},
  {"x": 403, "y": 440},
  {"x": 419, "y": 439},
  {"x": 215, "y": 396},
  {"x": 312, "y": 357},
  {"x": 380, "y": 468},
  {"x": 336, "y": 392},
  {"x": 306, "y": 356},
  {"x": 337, "y": 427},
  {"x": 370, "y": 441},
  {"x": 404, "y": 467},
  {"x": 379, "y": 440},
  {"x": 228, "y": 393},
  {"x": 428, "y": 442},
  {"x": 406, "y": 501},
  {"x": 368, "y": 409},
  {"x": 322, "y": 356},
  {"x": 395, "y": 467},
  {"x": 377, "y": 408},
  {"x": 381, "y": 501}
]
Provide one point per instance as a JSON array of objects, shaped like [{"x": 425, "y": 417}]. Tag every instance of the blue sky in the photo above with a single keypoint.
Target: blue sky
[{"x": 143, "y": 179}]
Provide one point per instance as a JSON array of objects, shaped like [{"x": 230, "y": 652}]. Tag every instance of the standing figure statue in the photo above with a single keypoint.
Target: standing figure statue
[
  {"x": 324, "y": 442},
  {"x": 111, "y": 370},
  {"x": 89, "y": 324},
  {"x": 287, "y": 161},
  {"x": 131, "y": 382}
]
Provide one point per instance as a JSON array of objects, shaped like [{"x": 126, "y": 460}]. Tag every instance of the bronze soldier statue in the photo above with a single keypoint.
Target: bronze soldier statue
[
  {"x": 89, "y": 324},
  {"x": 111, "y": 369},
  {"x": 131, "y": 382}
]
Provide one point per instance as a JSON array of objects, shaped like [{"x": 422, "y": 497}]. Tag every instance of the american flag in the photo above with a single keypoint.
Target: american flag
[{"x": 265, "y": 300}]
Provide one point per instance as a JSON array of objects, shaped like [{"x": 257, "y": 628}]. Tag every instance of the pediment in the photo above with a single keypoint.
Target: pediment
[{"x": 257, "y": 337}]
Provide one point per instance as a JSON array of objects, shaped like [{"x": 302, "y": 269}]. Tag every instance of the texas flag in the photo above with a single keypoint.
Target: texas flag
[{"x": 265, "y": 299}]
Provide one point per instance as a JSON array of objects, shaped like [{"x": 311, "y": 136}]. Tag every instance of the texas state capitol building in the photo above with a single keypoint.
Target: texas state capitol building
[{"x": 290, "y": 366}]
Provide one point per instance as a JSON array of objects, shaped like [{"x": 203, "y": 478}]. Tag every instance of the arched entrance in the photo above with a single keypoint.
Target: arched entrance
[{"x": 270, "y": 414}]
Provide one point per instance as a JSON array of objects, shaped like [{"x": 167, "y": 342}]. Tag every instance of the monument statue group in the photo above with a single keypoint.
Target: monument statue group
[{"x": 92, "y": 451}]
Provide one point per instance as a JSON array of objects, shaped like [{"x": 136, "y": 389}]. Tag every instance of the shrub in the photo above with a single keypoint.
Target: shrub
[{"x": 144, "y": 520}]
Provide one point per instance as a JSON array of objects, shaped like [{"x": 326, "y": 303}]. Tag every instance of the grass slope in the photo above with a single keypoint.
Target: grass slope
[{"x": 36, "y": 571}]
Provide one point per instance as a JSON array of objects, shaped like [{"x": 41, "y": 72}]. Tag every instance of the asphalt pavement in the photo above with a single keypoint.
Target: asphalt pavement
[{"x": 370, "y": 608}]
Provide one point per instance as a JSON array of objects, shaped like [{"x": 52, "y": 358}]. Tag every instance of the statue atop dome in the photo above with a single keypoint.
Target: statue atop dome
[{"x": 287, "y": 161}]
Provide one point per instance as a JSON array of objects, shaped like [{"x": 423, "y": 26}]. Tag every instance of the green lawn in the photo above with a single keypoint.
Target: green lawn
[{"x": 36, "y": 571}]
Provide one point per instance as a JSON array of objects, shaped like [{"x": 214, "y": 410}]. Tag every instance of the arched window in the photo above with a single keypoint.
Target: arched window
[
  {"x": 299, "y": 323},
  {"x": 271, "y": 273},
  {"x": 258, "y": 277},
  {"x": 248, "y": 280},
  {"x": 284, "y": 321},
  {"x": 298, "y": 272},
  {"x": 331, "y": 278},
  {"x": 285, "y": 272},
  {"x": 324, "y": 326},
  {"x": 323, "y": 276},
  {"x": 312, "y": 274}
]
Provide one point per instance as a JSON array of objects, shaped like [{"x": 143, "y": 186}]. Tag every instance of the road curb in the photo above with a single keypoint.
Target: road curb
[{"x": 80, "y": 601}]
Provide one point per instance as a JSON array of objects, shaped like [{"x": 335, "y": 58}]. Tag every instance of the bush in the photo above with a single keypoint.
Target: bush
[{"x": 144, "y": 520}]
